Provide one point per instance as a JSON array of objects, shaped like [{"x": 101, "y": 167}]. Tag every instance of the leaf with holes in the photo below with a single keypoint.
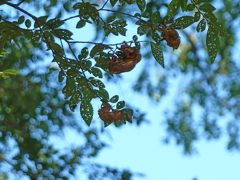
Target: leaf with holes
[
  {"x": 157, "y": 53},
  {"x": 120, "y": 104},
  {"x": 183, "y": 22},
  {"x": 201, "y": 25},
  {"x": 114, "y": 99},
  {"x": 212, "y": 42},
  {"x": 97, "y": 83},
  {"x": 141, "y": 4},
  {"x": 96, "y": 72},
  {"x": 86, "y": 111},
  {"x": 173, "y": 7},
  {"x": 156, "y": 18}
]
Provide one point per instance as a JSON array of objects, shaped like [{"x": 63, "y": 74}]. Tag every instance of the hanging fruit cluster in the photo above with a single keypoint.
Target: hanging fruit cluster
[
  {"x": 171, "y": 36},
  {"x": 108, "y": 114},
  {"x": 130, "y": 57}
]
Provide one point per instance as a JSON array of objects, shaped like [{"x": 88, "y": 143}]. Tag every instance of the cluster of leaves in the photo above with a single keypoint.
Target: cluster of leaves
[
  {"x": 82, "y": 72},
  {"x": 5, "y": 73}
]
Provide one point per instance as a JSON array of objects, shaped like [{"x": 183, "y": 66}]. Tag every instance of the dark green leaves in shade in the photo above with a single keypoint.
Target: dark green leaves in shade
[
  {"x": 141, "y": 4},
  {"x": 86, "y": 111},
  {"x": 157, "y": 53},
  {"x": 212, "y": 41},
  {"x": 156, "y": 17},
  {"x": 113, "y": 2},
  {"x": 120, "y": 104},
  {"x": 207, "y": 8},
  {"x": 114, "y": 99},
  {"x": 201, "y": 25}
]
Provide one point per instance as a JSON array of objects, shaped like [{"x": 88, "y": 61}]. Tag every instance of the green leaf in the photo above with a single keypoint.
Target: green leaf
[
  {"x": 120, "y": 104},
  {"x": 111, "y": 19},
  {"x": 135, "y": 38},
  {"x": 54, "y": 23},
  {"x": 141, "y": 4},
  {"x": 183, "y": 22},
  {"x": 21, "y": 19},
  {"x": 28, "y": 23},
  {"x": 113, "y": 2},
  {"x": 97, "y": 83},
  {"x": 103, "y": 94},
  {"x": 114, "y": 99},
  {"x": 86, "y": 64},
  {"x": 84, "y": 52},
  {"x": 40, "y": 21},
  {"x": 212, "y": 42},
  {"x": 56, "y": 47},
  {"x": 220, "y": 29},
  {"x": 63, "y": 33},
  {"x": 146, "y": 14},
  {"x": 74, "y": 100},
  {"x": 202, "y": 1},
  {"x": 173, "y": 7},
  {"x": 11, "y": 71},
  {"x": 96, "y": 50},
  {"x": 81, "y": 23},
  {"x": 201, "y": 25},
  {"x": 86, "y": 111},
  {"x": 156, "y": 18},
  {"x": 157, "y": 53},
  {"x": 61, "y": 76},
  {"x": 184, "y": 5},
  {"x": 96, "y": 72},
  {"x": 207, "y": 8},
  {"x": 197, "y": 16},
  {"x": 190, "y": 7}
]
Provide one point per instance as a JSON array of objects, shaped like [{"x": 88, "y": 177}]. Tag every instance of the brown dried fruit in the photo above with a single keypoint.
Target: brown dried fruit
[
  {"x": 107, "y": 114},
  {"x": 171, "y": 36},
  {"x": 131, "y": 57}
]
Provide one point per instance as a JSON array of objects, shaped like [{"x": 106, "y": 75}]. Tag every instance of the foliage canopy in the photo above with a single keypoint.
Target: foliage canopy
[{"x": 82, "y": 68}]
